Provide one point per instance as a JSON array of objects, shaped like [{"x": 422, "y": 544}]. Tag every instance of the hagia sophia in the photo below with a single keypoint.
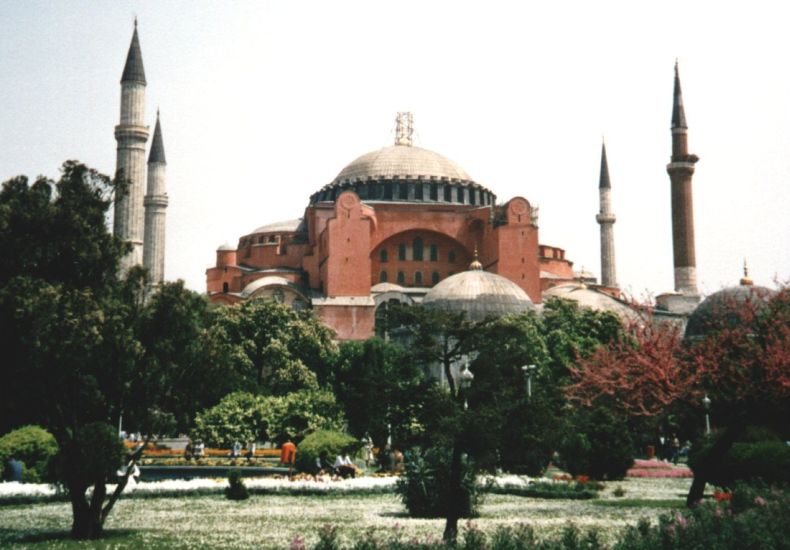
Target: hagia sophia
[{"x": 399, "y": 224}]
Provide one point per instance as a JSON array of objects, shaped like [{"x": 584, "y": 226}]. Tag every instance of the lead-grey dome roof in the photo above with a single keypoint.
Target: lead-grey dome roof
[
  {"x": 402, "y": 161},
  {"x": 372, "y": 175},
  {"x": 723, "y": 309},
  {"x": 479, "y": 294}
]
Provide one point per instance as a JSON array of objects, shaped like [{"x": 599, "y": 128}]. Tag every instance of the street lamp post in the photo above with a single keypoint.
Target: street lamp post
[
  {"x": 528, "y": 370},
  {"x": 463, "y": 382},
  {"x": 706, "y": 404}
]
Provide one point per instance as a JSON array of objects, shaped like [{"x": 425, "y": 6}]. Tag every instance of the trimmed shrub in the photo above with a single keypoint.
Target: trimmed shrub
[
  {"x": 333, "y": 443},
  {"x": 425, "y": 489},
  {"x": 34, "y": 447},
  {"x": 746, "y": 461},
  {"x": 95, "y": 452},
  {"x": 549, "y": 490},
  {"x": 598, "y": 445},
  {"x": 236, "y": 490}
]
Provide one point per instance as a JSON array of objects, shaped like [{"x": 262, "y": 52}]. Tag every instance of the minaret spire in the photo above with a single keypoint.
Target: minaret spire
[
  {"x": 132, "y": 135},
  {"x": 155, "y": 207},
  {"x": 681, "y": 169},
  {"x": 678, "y": 113},
  {"x": 133, "y": 71},
  {"x": 606, "y": 219}
]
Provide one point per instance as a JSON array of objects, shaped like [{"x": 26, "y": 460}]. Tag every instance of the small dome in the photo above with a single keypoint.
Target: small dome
[
  {"x": 590, "y": 298},
  {"x": 288, "y": 226},
  {"x": 401, "y": 161},
  {"x": 723, "y": 309},
  {"x": 224, "y": 247},
  {"x": 479, "y": 294}
]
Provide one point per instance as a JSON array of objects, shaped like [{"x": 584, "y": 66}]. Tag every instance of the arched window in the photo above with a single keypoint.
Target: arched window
[
  {"x": 418, "y": 278},
  {"x": 383, "y": 256},
  {"x": 434, "y": 253},
  {"x": 417, "y": 249},
  {"x": 225, "y": 288},
  {"x": 448, "y": 193},
  {"x": 383, "y": 277},
  {"x": 434, "y": 277},
  {"x": 451, "y": 256},
  {"x": 401, "y": 252},
  {"x": 401, "y": 278}
]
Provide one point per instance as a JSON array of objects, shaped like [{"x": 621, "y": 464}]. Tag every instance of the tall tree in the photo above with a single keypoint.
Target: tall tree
[
  {"x": 267, "y": 347},
  {"x": 742, "y": 363},
  {"x": 79, "y": 345}
]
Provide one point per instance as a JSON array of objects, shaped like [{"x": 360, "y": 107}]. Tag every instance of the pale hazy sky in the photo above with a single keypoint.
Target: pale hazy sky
[{"x": 265, "y": 102}]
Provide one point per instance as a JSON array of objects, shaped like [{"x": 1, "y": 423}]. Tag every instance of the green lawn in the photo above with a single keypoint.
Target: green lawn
[{"x": 266, "y": 521}]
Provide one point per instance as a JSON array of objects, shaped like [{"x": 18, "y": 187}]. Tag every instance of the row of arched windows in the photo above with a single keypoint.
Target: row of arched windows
[
  {"x": 417, "y": 252},
  {"x": 417, "y": 278}
]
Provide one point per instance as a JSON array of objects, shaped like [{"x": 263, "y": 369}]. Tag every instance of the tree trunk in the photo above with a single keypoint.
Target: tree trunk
[
  {"x": 456, "y": 497},
  {"x": 87, "y": 522}
]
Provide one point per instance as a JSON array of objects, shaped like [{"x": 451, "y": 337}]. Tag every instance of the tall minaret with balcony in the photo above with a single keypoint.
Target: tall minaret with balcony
[
  {"x": 131, "y": 135},
  {"x": 681, "y": 169},
  {"x": 606, "y": 219},
  {"x": 155, "y": 207}
]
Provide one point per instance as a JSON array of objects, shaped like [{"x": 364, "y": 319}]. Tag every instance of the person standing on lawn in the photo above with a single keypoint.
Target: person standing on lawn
[{"x": 288, "y": 455}]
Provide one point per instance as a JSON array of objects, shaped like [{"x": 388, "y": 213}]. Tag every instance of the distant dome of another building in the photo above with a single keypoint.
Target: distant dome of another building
[
  {"x": 479, "y": 294},
  {"x": 589, "y": 298},
  {"x": 723, "y": 309}
]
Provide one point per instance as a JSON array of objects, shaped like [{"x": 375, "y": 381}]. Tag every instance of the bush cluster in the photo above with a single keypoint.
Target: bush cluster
[
  {"x": 34, "y": 447},
  {"x": 236, "y": 490},
  {"x": 424, "y": 487},
  {"x": 756, "y": 517},
  {"x": 597, "y": 445},
  {"x": 520, "y": 537}
]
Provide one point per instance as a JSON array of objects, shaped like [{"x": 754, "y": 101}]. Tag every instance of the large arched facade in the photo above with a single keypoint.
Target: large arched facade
[{"x": 394, "y": 223}]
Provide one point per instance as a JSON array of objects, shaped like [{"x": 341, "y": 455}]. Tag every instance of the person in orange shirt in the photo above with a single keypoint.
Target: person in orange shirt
[{"x": 288, "y": 455}]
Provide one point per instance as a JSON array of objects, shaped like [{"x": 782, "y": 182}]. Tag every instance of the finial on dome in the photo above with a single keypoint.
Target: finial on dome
[
  {"x": 404, "y": 128},
  {"x": 475, "y": 265},
  {"x": 746, "y": 280}
]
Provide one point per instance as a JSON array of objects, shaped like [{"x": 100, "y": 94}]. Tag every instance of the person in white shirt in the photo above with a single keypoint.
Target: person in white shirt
[{"x": 344, "y": 466}]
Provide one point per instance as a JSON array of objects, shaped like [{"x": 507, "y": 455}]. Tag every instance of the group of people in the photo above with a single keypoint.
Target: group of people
[
  {"x": 194, "y": 450},
  {"x": 342, "y": 467}
]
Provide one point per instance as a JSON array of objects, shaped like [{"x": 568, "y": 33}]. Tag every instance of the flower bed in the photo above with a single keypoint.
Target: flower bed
[{"x": 658, "y": 469}]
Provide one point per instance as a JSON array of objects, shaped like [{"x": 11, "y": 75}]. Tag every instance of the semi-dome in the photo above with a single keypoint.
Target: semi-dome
[
  {"x": 479, "y": 294},
  {"x": 727, "y": 308}
]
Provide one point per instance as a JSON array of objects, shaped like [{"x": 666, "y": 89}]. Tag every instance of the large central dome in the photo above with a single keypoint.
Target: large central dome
[
  {"x": 403, "y": 173},
  {"x": 404, "y": 162}
]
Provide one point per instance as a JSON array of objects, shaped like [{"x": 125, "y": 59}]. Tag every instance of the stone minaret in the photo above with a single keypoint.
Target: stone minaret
[
  {"x": 680, "y": 169},
  {"x": 131, "y": 135},
  {"x": 606, "y": 219},
  {"x": 155, "y": 206}
]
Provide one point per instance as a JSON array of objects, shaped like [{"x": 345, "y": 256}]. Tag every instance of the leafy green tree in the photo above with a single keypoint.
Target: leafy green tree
[
  {"x": 238, "y": 417},
  {"x": 379, "y": 390},
  {"x": 267, "y": 347},
  {"x": 80, "y": 345},
  {"x": 243, "y": 416},
  {"x": 172, "y": 370}
]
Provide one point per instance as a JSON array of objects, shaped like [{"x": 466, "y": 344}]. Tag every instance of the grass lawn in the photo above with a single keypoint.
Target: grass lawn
[{"x": 272, "y": 521}]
